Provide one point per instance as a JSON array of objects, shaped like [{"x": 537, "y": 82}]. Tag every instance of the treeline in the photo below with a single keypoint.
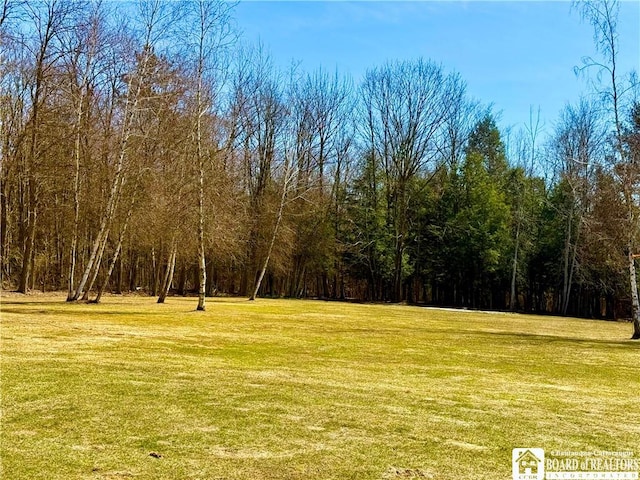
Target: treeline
[{"x": 145, "y": 149}]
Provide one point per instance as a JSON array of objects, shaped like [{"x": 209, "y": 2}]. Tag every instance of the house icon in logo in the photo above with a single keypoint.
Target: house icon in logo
[{"x": 528, "y": 463}]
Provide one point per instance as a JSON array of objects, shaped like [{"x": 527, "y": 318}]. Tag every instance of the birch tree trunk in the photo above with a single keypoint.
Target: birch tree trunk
[
  {"x": 268, "y": 256},
  {"x": 635, "y": 311},
  {"x": 603, "y": 16},
  {"x": 76, "y": 221},
  {"x": 76, "y": 198},
  {"x": 96, "y": 266},
  {"x": 202, "y": 266},
  {"x": 207, "y": 39},
  {"x": 168, "y": 276},
  {"x": 100, "y": 244},
  {"x": 109, "y": 212},
  {"x": 123, "y": 232},
  {"x": 110, "y": 270},
  {"x": 288, "y": 178},
  {"x": 128, "y": 120},
  {"x": 566, "y": 284}
]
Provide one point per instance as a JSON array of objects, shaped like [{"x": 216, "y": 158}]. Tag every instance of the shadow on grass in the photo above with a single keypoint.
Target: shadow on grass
[
  {"x": 4, "y": 302},
  {"x": 61, "y": 308},
  {"x": 57, "y": 311},
  {"x": 550, "y": 339}
]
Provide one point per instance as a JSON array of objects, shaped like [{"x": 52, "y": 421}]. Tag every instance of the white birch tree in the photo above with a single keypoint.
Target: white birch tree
[
  {"x": 615, "y": 91},
  {"x": 208, "y": 33}
]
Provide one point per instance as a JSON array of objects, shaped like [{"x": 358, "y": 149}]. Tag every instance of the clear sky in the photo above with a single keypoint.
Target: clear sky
[{"x": 514, "y": 54}]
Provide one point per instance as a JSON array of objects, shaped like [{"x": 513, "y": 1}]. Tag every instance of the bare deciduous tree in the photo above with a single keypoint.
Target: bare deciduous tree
[
  {"x": 49, "y": 19},
  {"x": 208, "y": 37},
  {"x": 85, "y": 43},
  {"x": 404, "y": 107},
  {"x": 578, "y": 146},
  {"x": 154, "y": 19},
  {"x": 603, "y": 17}
]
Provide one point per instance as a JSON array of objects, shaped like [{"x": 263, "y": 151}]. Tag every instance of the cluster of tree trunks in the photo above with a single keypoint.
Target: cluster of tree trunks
[{"x": 152, "y": 152}]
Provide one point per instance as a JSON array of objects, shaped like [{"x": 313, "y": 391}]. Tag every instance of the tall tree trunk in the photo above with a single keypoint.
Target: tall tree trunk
[
  {"x": 604, "y": 22},
  {"x": 570, "y": 261},
  {"x": 134, "y": 262},
  {"x": 514, "y": 271},
  {"x": 32, "y": 197},
  {"x": 120, "y": 276},
  {"x": 154, "y": 273},
  {"x": 566, "y": 285},
  {"x": 635, "y": 302},
  {"x": 400, "y": 219},
  {"x": 4, "y": 236},
  {"x": 202, "y": 264},
  {"x": 397, "y": 279},
  {"x": 89, "y": 267},
  {"x": 129, "y": 114},
  {"x": 76, "y": 213},
  {"x": 103, "y": 231},
  {"x": 96, "y": 266},
  {"x": 283, "y": 199},
  {"x": 112, "y": 264},
  {"x": 27, "y": 258},
  {"x": 116, "y": 254},
  {"x": 168, "y": 276},
  {"x": 269, "y": 251},
  {"x": 572, "y": 268}
]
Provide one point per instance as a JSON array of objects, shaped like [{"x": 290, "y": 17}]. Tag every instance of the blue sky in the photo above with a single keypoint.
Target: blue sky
[{"x": 516, "y": 54}]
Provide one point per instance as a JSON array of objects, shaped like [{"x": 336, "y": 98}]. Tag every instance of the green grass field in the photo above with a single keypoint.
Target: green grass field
[{"x": 283, "y": 389}]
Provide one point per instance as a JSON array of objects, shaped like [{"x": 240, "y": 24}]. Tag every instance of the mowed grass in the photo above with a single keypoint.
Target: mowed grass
[{"x": 283, "y": 389}]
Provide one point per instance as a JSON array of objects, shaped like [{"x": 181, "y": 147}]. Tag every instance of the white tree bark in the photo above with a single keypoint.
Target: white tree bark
[
  {"x": 168, "y": 275},
  {"x": 289, "y": 175},
  {"x": 634, "y": 296},
  {"x": 152, "y": 23},
  {"x": 123, "y": 232}
]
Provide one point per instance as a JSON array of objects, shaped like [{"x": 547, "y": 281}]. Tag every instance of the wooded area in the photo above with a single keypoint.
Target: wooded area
[{"x": 145, "y": 148}]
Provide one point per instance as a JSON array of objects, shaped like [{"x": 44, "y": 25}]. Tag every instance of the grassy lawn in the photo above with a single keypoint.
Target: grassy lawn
[{"x": 282, "y": 389}]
